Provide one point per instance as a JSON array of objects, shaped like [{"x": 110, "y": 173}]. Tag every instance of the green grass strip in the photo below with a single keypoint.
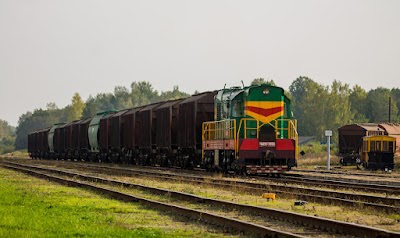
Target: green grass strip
[{"x": 31, "y": 207}]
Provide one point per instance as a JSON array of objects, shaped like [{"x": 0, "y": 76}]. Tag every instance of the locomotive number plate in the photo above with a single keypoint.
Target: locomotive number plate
[{"x": 267, "y": 144}]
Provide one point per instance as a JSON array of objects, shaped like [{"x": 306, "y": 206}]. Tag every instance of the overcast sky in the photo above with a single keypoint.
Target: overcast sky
[{"x": 50, "y": 49}]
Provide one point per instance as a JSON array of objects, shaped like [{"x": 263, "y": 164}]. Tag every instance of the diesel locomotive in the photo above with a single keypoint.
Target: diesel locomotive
[{"x": 247, "y": 130}]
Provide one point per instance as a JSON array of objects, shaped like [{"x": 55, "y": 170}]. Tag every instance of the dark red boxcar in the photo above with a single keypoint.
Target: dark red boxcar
[
  {"x": 146, "y": 126},
  {"x": 44, "y": 143},
  {"x": 84, "y": 138},
  {"x": 116, "y": 131},
  {"x": 167, "y": 124},
  {"x": 58, "y": 141},
  {"x": 104, "y": 140},
  {"x": 193, "y": 111},
  {"x": 128, "y": 122},
  {"x": 30, "y": 143},
  {"x": 68, "y": 139}
]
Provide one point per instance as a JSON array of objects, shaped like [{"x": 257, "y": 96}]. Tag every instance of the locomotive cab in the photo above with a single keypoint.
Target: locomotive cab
[{"x": 378, "y": 152}]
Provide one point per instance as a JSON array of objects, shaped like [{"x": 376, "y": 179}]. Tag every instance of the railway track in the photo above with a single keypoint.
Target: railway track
[
  {"x": 315, "y": 227},
  {"x": 385, "y": 204},
  {"x": 346, "y": 177},
  {"x": 387, "y": 175},
  {"x": 342, "y": 184},
  {"x": 295, "y": 179}
]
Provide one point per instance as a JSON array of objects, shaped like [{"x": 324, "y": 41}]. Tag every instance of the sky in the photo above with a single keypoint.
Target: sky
[{"x": 50, "y": 49}]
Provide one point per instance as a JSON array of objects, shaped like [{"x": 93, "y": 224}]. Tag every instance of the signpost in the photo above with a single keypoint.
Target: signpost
[{"x": 328, "y": 135}]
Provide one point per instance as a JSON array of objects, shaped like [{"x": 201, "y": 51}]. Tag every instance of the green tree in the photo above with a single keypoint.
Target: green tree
[
  {"x": 378, "y": 105},
  {"x": 122, "y": 98},
  {"x": 308, "y": 97},
  {"x": 142, "y": 93},
  {"x": 75, "y": 110},
  {"x": 174, "y": 94},
  {"x": 396, "y": 97},
  {"x": 91, "y": 107},
  {"x": 39, "y": 119},
  {"x": 338, "y": 111},
  {"x": 319, "y": 108},
  {"x": 259, "y": 81},
  {"x": 7, "y": 137},
  {"x": 358, "y": 104}
]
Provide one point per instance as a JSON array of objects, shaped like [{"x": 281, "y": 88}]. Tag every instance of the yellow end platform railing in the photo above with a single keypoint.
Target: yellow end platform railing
[{"x": 219, "y": 130}]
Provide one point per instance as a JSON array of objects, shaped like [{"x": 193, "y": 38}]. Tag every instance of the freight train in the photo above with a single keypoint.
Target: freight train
[{"x": 248, "y": 130}]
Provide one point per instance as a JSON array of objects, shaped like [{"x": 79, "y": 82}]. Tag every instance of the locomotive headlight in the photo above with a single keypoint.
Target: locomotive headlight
[{"x": 265, "y": 91}]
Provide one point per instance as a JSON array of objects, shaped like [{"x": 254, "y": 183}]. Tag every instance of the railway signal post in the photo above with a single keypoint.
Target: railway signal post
[{"x": 328, "y": 135}]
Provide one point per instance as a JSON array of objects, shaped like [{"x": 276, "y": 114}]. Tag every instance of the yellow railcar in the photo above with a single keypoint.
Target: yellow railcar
[{"x": 378, "y": 152}]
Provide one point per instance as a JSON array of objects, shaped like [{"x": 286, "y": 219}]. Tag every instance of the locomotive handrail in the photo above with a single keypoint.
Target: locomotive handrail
[
  {"x": 291, "y": 128},
  {"x": 219, "y": 130}
]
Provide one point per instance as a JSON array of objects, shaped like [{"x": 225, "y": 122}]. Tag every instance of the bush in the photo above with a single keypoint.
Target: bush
[{"x": 316, "y": 148}]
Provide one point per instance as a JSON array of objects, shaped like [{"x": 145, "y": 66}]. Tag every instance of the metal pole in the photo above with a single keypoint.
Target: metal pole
[
  {"x": 328, "y": 162},
  {"x": 390, "y": 108},
  {"x": 328, "y": 135}
]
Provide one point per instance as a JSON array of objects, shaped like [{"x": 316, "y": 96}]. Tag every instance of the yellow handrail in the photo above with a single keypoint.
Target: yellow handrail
[
  {"x": 291, "y": 129},
  {"x": 225, "y": 129},
  {"x": 219, "y": 130}
]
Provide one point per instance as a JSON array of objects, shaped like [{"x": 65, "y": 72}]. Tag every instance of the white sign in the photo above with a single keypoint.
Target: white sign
[
  {"x": 267, "y": 144},
  {"x": 328, "y": 133}
]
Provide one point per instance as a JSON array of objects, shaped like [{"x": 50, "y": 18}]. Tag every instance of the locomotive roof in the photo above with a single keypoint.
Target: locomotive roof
[
  {"x": 385, "y": 137},
  {"x": 362, "y": 126},
  {"x": 391, "y": 128}
]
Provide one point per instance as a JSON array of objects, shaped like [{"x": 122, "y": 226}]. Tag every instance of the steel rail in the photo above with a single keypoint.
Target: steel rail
[
  {"x": 346, "y": 173},
  {"x": 330, "y": 182}
]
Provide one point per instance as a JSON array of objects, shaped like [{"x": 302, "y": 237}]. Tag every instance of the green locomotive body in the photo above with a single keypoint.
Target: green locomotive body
[{"x": 253, "y": 131}]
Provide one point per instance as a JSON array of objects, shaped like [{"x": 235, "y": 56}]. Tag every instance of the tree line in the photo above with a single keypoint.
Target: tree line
[{"x": 317, "y": 107}]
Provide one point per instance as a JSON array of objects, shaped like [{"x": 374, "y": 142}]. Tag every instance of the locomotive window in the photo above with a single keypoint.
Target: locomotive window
[
  {"x": 237, "y": 109},
  {"x": 391, "y": 147},
  {"x": 385, "y": 147},
  {"x": 378, "y": 146},
  {"x": 372, "y": 146}
]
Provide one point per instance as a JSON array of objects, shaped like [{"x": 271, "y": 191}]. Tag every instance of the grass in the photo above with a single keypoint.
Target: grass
[
  {"x": 397, "y": 161},
  {"x": 310, "y": 161},
  {"x": 315, "y": 155},
  {"x": 16, "y": 154},
  {"x": 31, "y": 207}
]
